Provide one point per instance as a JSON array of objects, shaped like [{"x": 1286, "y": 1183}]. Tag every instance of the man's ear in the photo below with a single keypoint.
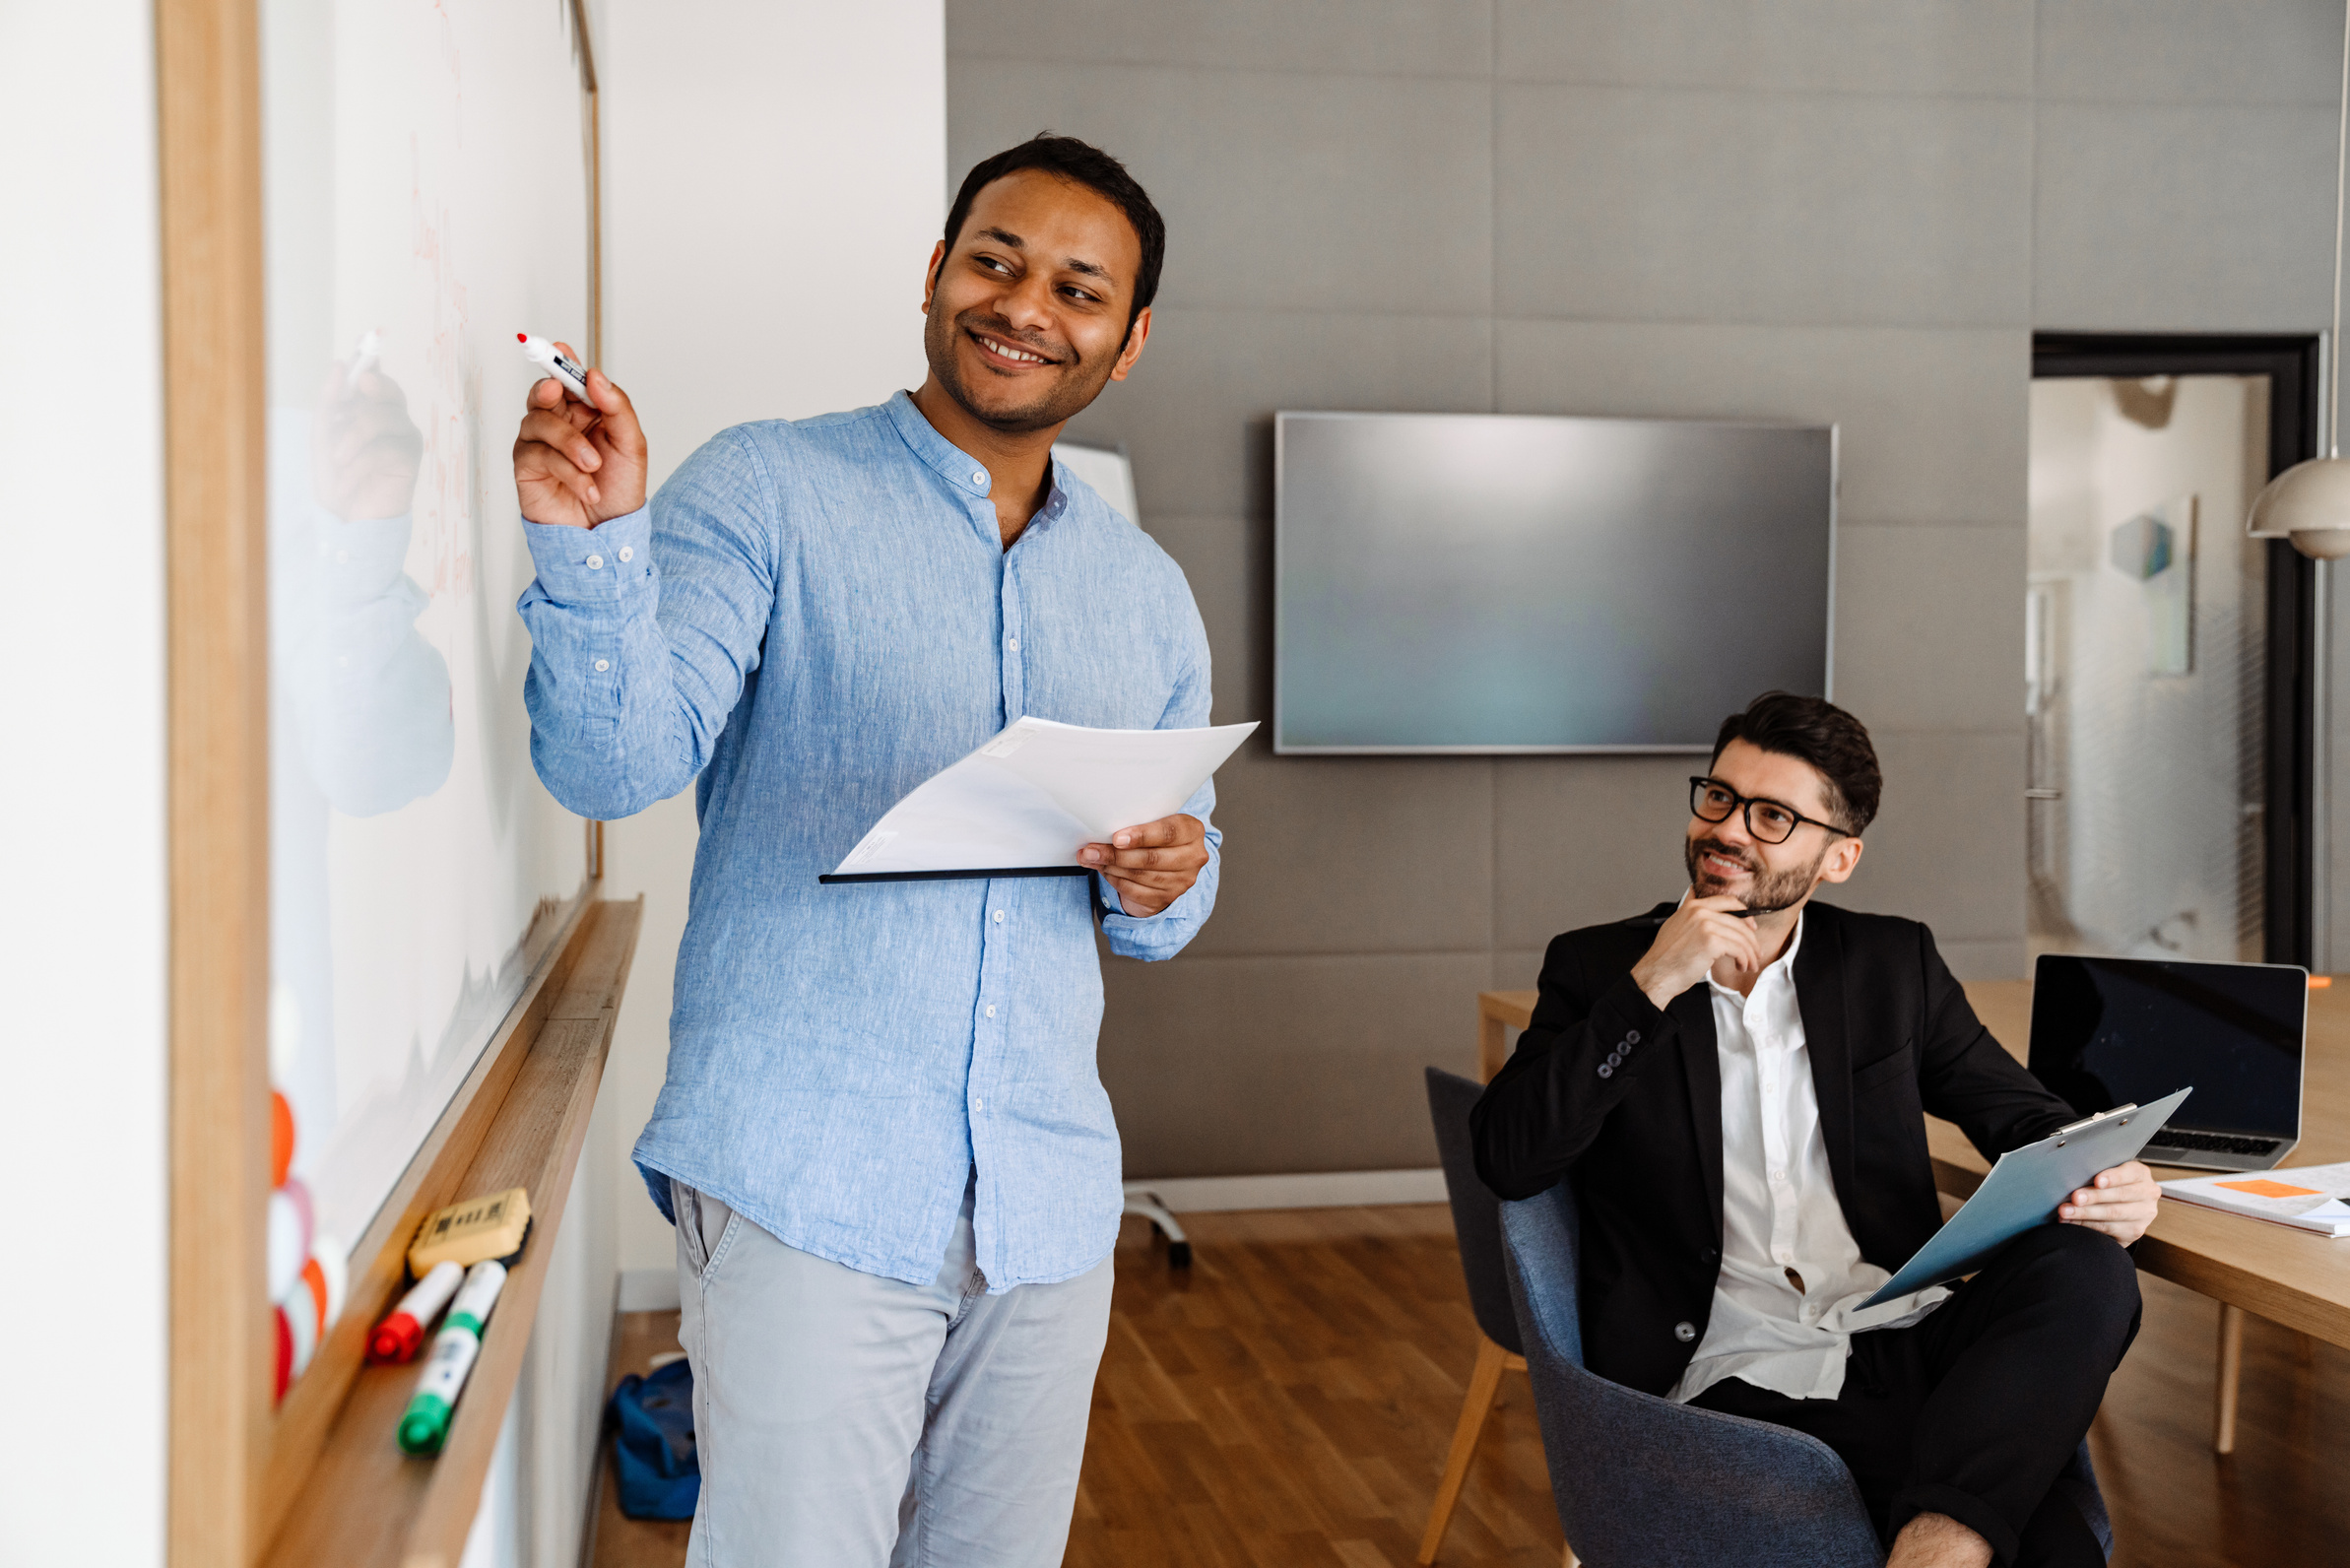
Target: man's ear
[
  {"x": 930, "y": 278},
  {"x": 1842, "y": 860},
  {"x": 1135, "y": 336}
]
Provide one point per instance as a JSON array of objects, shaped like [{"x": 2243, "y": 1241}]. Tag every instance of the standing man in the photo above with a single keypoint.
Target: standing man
[
  {"x": 890, "y": 1163},
  {"x": 1736, "y": 1086}
]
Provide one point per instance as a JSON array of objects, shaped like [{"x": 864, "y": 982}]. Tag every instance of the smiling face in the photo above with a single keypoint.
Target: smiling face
[
  {"x": 1725, "y": 858},
  {"x": 1027, "y": 315}
]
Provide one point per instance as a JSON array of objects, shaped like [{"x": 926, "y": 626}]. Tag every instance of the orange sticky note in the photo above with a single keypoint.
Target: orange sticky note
[{"x": 2264, "y": 1189}]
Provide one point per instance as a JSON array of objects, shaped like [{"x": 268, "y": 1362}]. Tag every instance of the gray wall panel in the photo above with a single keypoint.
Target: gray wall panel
[
  {"x": 2163, "y": 217},
  {"x": 1421, "y": 38},
  {"x": 1230, "y": 1065},
  {"x": 1850, "y": 211},
  {"x": 1929, "y": 627},
  {"x": 1315, "y": 191},
  {"x": 1580, "y": 840},
  {"x": 1370, "y": 854},
  {"x": 2189, "y": 51},
  {"x": 1634, "y": 204},
  {"x": 1981, "y": 48}
]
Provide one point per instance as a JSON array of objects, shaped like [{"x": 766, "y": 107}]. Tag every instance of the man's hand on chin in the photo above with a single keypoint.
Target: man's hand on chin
[{"x": 2119, "y": 1201}]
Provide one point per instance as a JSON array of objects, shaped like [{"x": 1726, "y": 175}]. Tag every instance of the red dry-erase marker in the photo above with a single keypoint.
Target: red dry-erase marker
[
  {"x": 546, "y": 356},
  {"x": 397, "y": 1336}
]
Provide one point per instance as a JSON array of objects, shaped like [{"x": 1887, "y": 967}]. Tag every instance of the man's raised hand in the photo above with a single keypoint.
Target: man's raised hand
[
  {"x": 579, "y": 463},
  {"x": 1152, "y": 865},
  {"x": 1692, "y": 939}
]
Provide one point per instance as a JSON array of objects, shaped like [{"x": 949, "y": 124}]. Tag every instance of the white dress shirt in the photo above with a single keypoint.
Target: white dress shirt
[{"x": 1785, "y": 1301}]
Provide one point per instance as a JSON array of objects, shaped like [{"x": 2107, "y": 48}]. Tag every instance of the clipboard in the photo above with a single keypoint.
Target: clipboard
[{"x": 2024, "y": 1189}]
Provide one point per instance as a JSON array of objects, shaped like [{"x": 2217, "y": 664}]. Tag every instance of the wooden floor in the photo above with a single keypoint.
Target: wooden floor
[{"x": 1286, "y": 1404}]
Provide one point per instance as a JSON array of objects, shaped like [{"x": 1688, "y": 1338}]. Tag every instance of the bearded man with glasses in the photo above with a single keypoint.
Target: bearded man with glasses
[{"x": 1736, "y": 1084}]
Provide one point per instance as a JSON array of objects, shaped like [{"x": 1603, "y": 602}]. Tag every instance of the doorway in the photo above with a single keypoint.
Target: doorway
[{"x": 2170, "y": 660}]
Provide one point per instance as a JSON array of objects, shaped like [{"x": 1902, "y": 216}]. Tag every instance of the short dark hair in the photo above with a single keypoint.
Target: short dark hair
[
  {"x": 1082, "y": 163},
  {"x": 1816, "y": 731}
]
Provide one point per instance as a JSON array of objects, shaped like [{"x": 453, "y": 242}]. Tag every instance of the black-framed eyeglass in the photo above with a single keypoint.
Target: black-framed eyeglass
[{"x": 1712, "y": 801}]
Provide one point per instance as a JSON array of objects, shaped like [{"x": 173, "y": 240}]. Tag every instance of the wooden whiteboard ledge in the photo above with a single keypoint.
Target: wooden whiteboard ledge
[{"x": 337, "y": 1489}]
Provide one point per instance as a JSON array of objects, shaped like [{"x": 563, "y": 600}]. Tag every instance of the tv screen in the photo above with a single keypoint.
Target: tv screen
[{"x": 1495, "y": 583}]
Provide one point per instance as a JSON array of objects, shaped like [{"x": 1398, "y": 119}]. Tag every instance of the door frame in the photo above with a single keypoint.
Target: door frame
[{"x": 2294, "y": 363}]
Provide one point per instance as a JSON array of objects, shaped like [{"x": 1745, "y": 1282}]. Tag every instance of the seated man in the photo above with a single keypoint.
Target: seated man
[{"x": 1736, "y": 1086}]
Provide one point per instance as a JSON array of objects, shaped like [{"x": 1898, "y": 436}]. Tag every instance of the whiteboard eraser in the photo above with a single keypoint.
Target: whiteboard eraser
[{"x": 489, "y": 1227}]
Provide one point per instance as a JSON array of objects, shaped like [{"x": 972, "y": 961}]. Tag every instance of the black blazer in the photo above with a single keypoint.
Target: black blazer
[{"x": 1625, "y": 1101}]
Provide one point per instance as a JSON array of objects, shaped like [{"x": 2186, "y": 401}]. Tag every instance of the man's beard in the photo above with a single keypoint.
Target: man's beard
[
  {"x": 1062, "y": 400},
  {"x": 1772, "y": 890}
]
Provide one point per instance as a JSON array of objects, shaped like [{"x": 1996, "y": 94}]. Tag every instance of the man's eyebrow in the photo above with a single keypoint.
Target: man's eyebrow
[
  {"x": 1005, "y": 237},
  {"x": 1089, "y": 267}
]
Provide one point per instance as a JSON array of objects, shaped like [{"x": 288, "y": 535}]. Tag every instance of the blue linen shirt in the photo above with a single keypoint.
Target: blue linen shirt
[{"x": 811, "y": 618}]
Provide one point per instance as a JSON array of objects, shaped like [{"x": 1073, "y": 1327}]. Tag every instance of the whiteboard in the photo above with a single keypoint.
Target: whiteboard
[{"x": 426, "y": 184}]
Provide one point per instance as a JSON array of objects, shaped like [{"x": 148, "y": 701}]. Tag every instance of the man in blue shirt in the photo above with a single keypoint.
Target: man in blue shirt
[{"x": 890, "y": 1163}]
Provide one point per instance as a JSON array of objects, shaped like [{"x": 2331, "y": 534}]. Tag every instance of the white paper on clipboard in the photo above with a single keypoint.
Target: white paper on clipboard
[
  {"x": 1035, "y": 794},
  {"x": 2023, "y": 1191}
]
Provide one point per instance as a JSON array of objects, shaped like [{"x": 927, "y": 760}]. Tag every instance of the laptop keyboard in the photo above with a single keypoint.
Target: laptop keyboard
[{"x": 2214, "y": 1142}]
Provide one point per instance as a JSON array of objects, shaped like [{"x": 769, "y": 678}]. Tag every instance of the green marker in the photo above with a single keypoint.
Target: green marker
[{"x": 427, "y": 1422}]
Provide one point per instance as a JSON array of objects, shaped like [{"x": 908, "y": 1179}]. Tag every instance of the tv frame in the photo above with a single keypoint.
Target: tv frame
[{"x": 1280, "y": 419}]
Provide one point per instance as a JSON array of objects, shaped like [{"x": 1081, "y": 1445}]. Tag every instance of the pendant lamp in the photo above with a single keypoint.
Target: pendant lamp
[{"x": 2310, "y": 502}]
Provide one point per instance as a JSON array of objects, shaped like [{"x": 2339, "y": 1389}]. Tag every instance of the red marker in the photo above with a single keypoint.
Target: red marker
[
  {"x": 397, "y": 1337},
  {"x": 546, "y": 356}
]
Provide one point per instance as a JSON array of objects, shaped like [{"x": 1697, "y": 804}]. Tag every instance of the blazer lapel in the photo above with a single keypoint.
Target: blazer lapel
[
  {"x": 1701, "y": 1061},
  {"x": 1819, "y": 998}
]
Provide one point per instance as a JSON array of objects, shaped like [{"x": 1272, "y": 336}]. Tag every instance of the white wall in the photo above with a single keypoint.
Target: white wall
[
  {"x": 774, "y": 178},
  {"x": 82, "y": 879}
]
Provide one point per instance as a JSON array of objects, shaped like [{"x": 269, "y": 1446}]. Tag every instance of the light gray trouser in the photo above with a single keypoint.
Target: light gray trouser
[{"x": 846, "y": 1420}]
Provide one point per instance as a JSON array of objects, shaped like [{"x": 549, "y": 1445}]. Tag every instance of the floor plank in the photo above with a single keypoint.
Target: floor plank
[{"x": 1286, "y": 1403}]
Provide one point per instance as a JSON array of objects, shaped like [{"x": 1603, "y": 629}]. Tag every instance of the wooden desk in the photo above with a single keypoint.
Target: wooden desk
[{"x": 2300, "y": 1281}]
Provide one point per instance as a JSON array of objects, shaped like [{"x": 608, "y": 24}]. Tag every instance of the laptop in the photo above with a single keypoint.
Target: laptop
[{"x": 2115, "y": 1031}]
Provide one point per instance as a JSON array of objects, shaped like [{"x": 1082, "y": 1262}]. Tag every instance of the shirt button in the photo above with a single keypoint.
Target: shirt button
[
  {"x": 979, "y": 476},
  {"x": 603, "y": 664},
  {"x": 595, "y": 563},
  {"x": 1777, "y": 1175},
  {"x": 977, "y": 1103},
  {"x": 991, "y": 1011},
  {"x": 627, "y": 554},
  {"x": 999, "y": 917},
  {"x": 1015, "y": 645},
  {"x": 1685, "y": 1331}
]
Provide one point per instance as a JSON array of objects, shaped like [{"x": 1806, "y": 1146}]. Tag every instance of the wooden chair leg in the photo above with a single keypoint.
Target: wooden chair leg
[
  {"x": 1484, "y": 1379},
  {"x": 2230, "y": 1376}
]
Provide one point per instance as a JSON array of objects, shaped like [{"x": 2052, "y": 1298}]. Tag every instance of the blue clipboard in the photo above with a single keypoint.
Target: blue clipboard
[{"x": 2024, "y": 1189}]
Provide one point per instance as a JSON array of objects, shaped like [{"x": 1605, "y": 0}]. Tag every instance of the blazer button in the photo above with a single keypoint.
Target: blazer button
[
  {"x": 1685, "y": 1331},
  {"x": 1606, "y": 1070},
  {"x": 1632, "y": 1036}
]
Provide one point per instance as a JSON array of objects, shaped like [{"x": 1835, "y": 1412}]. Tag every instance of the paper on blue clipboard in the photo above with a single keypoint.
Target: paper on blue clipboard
[
  {"x": 1038, "y": 792},
  {"x": 2023, "y": 1191}
]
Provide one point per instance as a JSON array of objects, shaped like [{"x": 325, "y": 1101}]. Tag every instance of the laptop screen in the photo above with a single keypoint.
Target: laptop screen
[{"x": 2111, "y": 1031}]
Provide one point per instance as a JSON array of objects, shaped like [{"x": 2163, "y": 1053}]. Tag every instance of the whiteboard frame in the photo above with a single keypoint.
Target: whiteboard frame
[{"x": 233, "y": 1461}]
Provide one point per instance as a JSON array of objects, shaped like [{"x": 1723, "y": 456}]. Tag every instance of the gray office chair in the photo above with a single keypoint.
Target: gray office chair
[
  {"x": 1642, "y": 1481},
  {"x": 1476, "y": 1225}
]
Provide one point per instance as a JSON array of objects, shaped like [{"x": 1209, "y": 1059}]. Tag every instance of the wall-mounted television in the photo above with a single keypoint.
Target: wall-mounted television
[{"x": 1502, "y": 583}]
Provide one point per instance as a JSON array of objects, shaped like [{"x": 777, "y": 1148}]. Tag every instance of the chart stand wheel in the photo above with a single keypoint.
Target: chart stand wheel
[{"x": 1142, "y": 1201}]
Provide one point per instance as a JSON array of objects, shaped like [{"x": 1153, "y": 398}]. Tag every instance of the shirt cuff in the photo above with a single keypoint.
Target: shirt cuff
[{"x": 587, "y": 566}]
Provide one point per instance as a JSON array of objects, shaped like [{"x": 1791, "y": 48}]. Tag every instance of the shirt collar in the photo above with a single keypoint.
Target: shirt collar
[{"x": 958, "y": 468}]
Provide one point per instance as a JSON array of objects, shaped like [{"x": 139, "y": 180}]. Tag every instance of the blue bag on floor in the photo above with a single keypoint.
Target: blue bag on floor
[{"x": 652, "y": 1447}]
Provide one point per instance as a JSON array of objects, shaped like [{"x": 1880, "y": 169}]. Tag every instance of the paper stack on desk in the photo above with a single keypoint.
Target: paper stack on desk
[
  {"x": 1028, "y": 799},
  {"x": 2308, "y": 1197}
]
